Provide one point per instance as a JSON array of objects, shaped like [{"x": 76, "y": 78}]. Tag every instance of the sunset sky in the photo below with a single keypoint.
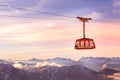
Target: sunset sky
[{"x": 25, "y": 34}]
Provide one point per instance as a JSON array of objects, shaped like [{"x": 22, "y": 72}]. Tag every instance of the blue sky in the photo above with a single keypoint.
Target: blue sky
[
  {"x": 108, "y": 9},
  {"x": 46, "y": 38}
]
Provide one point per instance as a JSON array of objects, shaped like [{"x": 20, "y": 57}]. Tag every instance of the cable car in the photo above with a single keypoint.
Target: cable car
[{"x": 84, "y": 43}]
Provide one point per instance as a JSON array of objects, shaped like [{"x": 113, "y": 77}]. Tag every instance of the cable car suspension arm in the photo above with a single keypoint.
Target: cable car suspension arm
[{"x": 82, "y": 19}]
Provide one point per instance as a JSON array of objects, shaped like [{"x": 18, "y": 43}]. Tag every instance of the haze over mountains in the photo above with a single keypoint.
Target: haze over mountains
[{"x": 87, "y": 68}]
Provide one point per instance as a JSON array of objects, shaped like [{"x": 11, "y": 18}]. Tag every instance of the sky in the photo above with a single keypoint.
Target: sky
[{"x": 39, "y": 35}]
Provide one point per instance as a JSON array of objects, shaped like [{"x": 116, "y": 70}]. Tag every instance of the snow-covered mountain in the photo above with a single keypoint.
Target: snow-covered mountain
[
  {"x": 74, "y": 72},
  {"x": 94, "y": 63},
  {"x": 36, "y": 60},
  {"x": 62, "y": 61},
  {"x": 8, "y": 72},
  {"x": 98, "y": 63},
  {"x": 6, "y": 61},
  {"x": 51, "y": 62},
  {"x": 87, "y": 68}
]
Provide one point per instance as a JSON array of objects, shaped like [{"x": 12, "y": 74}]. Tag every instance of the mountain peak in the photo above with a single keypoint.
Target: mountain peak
[{"x": 35, "y": 59}]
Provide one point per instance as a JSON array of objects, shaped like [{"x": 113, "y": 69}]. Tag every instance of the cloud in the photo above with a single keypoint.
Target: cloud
[
  {"x": 19, "y": 31},
  {"x": 95, "y": 15},
  {"x": 41, "y": 64},
  {"x": 115, "y": 76},
  {"x": 116, "y": 3},
  {"x": 21, "y": 3},
  {"x": 18, "y": 65},
  {"x": 26, "y": 3},
  {"x": 55, "y": 64},
  {"x": 60, "y": 7},
  {"x": 7, "y": 0},
  {"x": 35, "y": 32}
]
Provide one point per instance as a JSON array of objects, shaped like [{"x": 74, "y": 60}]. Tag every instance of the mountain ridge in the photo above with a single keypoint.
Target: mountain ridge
[{"x": 79, "y": 72}]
